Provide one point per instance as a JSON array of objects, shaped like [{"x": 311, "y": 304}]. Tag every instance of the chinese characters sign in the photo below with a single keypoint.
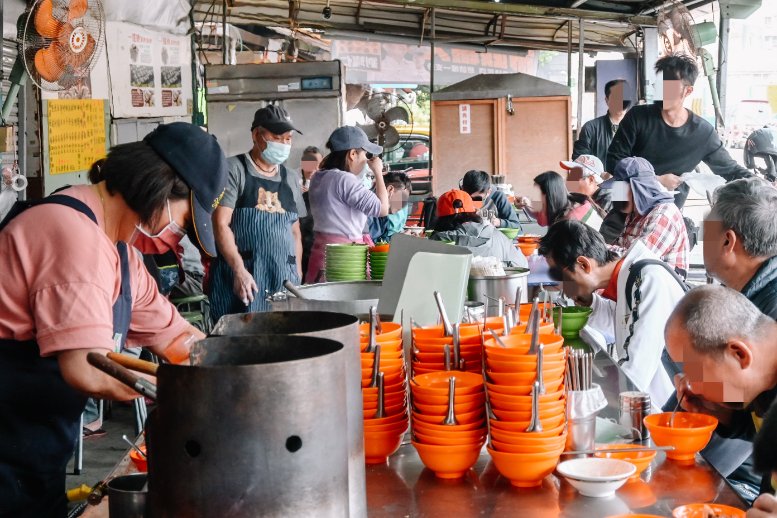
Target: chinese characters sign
[
  {"x": 76, "y": 134},
  {"x": 465, "y": 121}
]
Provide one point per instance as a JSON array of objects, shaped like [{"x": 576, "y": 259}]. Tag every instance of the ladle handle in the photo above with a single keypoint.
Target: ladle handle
[
  {"x": 446, "y": 323},
  {"x": 518, "y": 292},
  {"x": 375, "y": 367},
  {"x": 450, "y": 419},
  {"x": 293, "y": 289},
  {"x": 560, "y": 321},
  {"x": 134, "y": 363},
  {"x": 540, "y": 355},
  {"x": 456, "y": 345},
  {"x": 447, "y": 356},
  {"x": 111, "y": 368},
  {"x": 381, "y": 409}
]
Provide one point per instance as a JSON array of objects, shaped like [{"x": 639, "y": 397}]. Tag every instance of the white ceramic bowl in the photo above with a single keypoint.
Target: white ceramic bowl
[{"x": 596, "y": 477}]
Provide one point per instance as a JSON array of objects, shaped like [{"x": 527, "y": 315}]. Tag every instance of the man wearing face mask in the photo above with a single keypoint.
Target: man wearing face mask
[
  {"x": 398, "y": 188},
  {"x": 257, "y": 225},
  {"x": 671, "y": 137}
]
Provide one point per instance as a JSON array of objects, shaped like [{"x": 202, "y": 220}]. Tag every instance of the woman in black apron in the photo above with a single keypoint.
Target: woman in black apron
[{"x": 76, "y": 241}]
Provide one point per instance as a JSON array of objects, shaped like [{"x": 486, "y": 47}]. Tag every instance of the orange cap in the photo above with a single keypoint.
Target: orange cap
[{"x": 454, "y": 202}]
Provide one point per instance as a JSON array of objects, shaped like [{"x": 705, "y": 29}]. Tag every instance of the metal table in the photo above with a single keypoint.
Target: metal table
[{"x": 403, "y": 487}]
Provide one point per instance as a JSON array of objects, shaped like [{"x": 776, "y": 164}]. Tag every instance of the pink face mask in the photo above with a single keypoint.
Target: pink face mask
[{"x": 165, "y": 240}]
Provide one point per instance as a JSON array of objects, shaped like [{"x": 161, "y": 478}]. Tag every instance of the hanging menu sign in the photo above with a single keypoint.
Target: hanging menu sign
[{"x": 76, "y": 134}]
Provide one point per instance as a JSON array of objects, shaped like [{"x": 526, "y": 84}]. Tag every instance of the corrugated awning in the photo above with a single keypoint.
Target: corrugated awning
[{"x": 529, "y": 24}]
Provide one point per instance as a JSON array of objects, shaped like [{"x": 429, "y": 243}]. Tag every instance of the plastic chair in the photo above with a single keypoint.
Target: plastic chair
[{"x": 194, "y": 309}]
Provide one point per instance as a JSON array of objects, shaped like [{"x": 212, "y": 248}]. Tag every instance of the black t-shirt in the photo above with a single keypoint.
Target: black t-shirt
[{"x": 644, "y": 133}]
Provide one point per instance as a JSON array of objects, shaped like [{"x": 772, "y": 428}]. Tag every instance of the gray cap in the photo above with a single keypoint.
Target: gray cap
[{"x": 352, "y": 137}]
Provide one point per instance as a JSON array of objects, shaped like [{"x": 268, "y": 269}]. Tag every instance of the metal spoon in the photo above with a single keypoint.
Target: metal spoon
[
  {"x": 414, "y": 324},
  {"x": 450, "y": 419},
  {"x": 375, "y": 367},
  {"x": 378, "y": 325},
  {"x": 540, "y": 354},
  {"x": 671, "y": 419},
  {"x": 498, "y": 340},
  {"x": 373, "y": 339},
  {"x": 456, "y": 345},
  {"x": 446, "y": 351},
  {"x": 560, "y": 319},
  {"x": 446, "y": 323},
  {"x": 533, "y": 315},
  {"x": 381, "y": 411},
  {"x": 501, "y": 307},
  {"x": 535, "y": 332},
  {"x": 535, "y": 425},
  {"x": 505, "y": 324},
  {"x": 518, "y": 292},
  {"x": 134, "y": 446}
]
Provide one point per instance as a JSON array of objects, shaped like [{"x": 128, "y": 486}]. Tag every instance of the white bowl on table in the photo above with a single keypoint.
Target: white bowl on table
[{"x": 596, "y": 477}]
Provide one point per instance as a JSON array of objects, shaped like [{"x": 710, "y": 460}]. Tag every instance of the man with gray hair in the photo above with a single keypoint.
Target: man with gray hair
[
  {"x": 728, "y": 351},
  {"x": 740, "y": 240}
]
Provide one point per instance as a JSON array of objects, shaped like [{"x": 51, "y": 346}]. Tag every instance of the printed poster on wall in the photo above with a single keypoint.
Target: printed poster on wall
[
  {"x": 76, "y": 134},
  {"x": 150, "y": 72}
]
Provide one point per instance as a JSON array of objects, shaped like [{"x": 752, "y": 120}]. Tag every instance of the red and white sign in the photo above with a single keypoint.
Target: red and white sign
[{"x": 465, "y": 120}]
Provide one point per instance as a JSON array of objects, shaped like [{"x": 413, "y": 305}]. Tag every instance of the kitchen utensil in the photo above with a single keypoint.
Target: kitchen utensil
[
  {"x": 605, "y": 449},
  {"x": 133, "y": 446},
  {"x": 633, "y": 407},
  {"x": 540, "y": 354},
  {"x": 497, "y": 339},
  {"x": 375, "y": 367},
  {"x": 110, "y": 367},
  {"x": 134, "y": 363},
  {"x": 450, "y": 419},
  {"x": 517, "y": 304},
  {"x": 488, "y": 289},
  {"x": 372, "y": 331},
  {"x": 378, "y": 324},
  {"x": 456, "y": 346},
  {"x": 293, "y": 289},
  {"x": 535, "y": 425},
  {"x": 446, "y": 323},
  {"x": 127, "y": 496},
  {"x": 535, "y": 332},
  {"x": 380, "y": 411},
  {"x": 560, "y": 321},
  {"x": 500, "y": 307},
  {"x": 671, "y": 419},
  {"x": 534, "y": 305},
  {"x": 506, "y": 324},
  {"x": 595, "y": 477},
  {"x": 446, "y": 351}
]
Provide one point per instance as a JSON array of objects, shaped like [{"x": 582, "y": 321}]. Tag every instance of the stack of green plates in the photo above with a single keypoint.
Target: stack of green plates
[
  {"x": 346, "y": 262},
  {"x": 378, "y": 264}
]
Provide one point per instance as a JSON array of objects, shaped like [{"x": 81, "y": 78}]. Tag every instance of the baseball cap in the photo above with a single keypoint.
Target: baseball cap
[
  {"x": 352, "y": 137},
  {"x": 628, "y": 168},
  {"x": 274, "y": 119},
  {"x": 454, "y": 202},
  {"x": 589, "y": 164},
  {"x": 196, "y": 156}
]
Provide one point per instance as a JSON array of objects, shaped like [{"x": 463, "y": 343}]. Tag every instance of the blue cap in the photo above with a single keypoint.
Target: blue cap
[
  {"x": 352, "y": 137},
  {"x": 196, "y": 156},
  {"x": 629, "y": 168}
]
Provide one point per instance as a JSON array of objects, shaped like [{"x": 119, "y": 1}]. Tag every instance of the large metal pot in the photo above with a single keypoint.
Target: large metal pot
[
  {"x": 496, "y": 286},
  {"x": 333, "y": 326},
  {"x": 253, "y": 428},
  {"x": 353, "y": 298}
]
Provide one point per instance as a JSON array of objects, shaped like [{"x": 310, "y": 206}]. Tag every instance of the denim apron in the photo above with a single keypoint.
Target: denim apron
[
  {"x": 261, "y": 222},
  {"x": 40, "y": 413}
]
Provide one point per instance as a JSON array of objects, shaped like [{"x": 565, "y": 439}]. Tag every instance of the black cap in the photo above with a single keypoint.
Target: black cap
[
  {"x": 274, "y": 119},
  {"x": 197, "y": 158}
]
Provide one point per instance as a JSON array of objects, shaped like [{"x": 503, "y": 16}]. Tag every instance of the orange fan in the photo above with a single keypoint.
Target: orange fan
[
  {"x": 77, "y": 9},
  {"x": 48, "y": 63},
  {"x": 77, "y": 45},
  {"x": 45, "y": 23}
]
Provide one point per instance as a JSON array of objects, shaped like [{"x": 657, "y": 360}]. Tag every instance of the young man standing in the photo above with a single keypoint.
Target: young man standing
[
  {"x": 596, "y": 134},
  {"x": 670, "y": 136}
]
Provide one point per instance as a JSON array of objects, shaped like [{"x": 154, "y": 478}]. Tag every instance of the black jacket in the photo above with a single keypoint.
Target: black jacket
[
  {"x": 603, "y": 198},
  {"x": 595, "y": 138}
]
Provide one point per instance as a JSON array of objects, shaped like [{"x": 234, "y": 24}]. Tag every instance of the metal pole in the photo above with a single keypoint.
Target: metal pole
[
  {"x": 569, "y": 55},
  {"x": 431, "y": 40},
  {"x": 580, "y": 78},
  {"x": 224, "y": 49},
  {"x": 722, "y": 78}
]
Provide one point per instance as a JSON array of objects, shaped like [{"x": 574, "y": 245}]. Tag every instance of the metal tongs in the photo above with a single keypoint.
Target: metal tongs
[
  {"x": 112, "y": 368},
  {"x": 446, "y": 323}
]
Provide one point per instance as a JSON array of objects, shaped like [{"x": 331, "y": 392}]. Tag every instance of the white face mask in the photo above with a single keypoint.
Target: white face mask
[{"x": 367, "y": 176}]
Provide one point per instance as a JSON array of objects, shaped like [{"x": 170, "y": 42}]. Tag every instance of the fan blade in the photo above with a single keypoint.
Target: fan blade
[
  {"x": 45, "y": 23},
  {"x": 370, "y": 130},
  {"x": 376, "y": 106},
  {"x": 390, "y": 138},
  {"x": 397, "y": 113}
]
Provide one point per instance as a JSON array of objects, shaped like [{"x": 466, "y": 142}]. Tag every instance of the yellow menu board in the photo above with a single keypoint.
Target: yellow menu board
[{"x": 76, "y": 134}]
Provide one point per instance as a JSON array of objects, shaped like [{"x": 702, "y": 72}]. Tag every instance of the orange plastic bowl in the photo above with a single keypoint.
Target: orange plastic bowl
[
  {"x": 389, "y": 398},
  {"x": 437, "y": 345},
  {"x": 515, "y": 360},
  {"x": 522, "y": 421},
  {"x": 141, "y": 463},
  {"x": 462, "y": 418},
  {"x": 378, "y": 446},
  {"x": 545, "y": 329},
  {"x": 474, "y": 355},
  {"x": 399, "y": 428},
  {"x": 640, "y": 459},
  {"x": 519, "y": 344},
  {"x": 528, "y": 448},
  {"x": 703, "y": 510},
  {"x": 531, "y": 439},
  {"x": 444, "y": 440},
  {"x": 690, "y": 434},
  {"x": 385, "y": 354},
  {"x": 548, "y": 408},
  {"x": 517, "y": 367},
  {"x": 370, "y": 421},
  {"x": 426, "y": 399},
  {"x": 391, "y": 331},
  {"x": 436, "y": 383},
  {"x": 520, "y": 428},
  {"x": 496, "y": 396},
  {"x": 448, "y": 461},
  {"x": 437, "y": 428},
  {"x": 442, "y": 410},
  {"x": 527, "y": 249},
  {"x": 526, "y": 378},
  {"x": 392, "y": 346},
  {"x": 394, "y": 388},
  {"x": 417, "y": 371},
  {"x": 441, "y": 431},
  {"x": 551, "y": 385},
  {"x": 525, "y": 469}
]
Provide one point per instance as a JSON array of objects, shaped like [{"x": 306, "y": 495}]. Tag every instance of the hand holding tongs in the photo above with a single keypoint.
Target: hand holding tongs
[{"x": 112, "y": 368}]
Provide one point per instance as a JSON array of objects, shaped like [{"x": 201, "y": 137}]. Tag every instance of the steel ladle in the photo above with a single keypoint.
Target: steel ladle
[{"x": 450, "y": 419}]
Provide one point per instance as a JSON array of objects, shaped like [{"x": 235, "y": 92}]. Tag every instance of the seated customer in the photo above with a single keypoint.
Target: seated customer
[
  {"x": 651, "y": 215},
  {"x": 458, "y": 221},
  {"x": 578, "y": 255},
  {"x": 384, "y": 227},
  {"x": 728, "y": 349},
  {"x": 585, "y": 177},
  {"x": 495, "y": 203},
  {"x": 553, "y": 202}
]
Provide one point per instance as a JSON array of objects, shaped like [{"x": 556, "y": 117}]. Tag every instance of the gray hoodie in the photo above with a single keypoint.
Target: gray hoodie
[{"x": 484, "y": 240}]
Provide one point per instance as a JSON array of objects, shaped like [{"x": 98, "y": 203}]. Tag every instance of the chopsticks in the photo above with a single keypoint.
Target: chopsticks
[
  {"x": 618, "y": 450},
  {"x": 579, "y": 373}
]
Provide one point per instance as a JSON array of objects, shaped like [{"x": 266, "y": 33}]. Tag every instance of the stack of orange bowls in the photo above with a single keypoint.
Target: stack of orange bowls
[
  {"x": 383, "y": 435},
  {"x": 448, "y": 449},
  {"x": 429, "y": 347},
  {"x": 525, "y": 458}
]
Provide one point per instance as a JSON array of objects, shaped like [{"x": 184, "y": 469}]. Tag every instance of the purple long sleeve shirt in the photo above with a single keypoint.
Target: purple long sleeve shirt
[{"x": 340, "y": 203}]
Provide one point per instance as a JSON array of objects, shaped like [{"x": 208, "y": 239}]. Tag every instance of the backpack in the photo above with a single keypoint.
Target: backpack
[{"x": 634, "y": 273}]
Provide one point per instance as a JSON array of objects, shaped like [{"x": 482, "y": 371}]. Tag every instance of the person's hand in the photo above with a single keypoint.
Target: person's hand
[
  {"x": 765, "y": 506},
  {"x": 522, "y": 202},
  {"x": 670, "y": 181},
  {"x": 497, "y": 222},
  {"x": 244, "y": 286},
  {"x": 376, "y": 164},
  {"x": 690, "y": 400}
]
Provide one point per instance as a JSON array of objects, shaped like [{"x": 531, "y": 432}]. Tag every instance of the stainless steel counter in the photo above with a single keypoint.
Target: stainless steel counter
[{"x": 403, "y": 487}]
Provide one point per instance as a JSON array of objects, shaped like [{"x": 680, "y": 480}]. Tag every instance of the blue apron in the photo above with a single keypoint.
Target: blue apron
[
  {"x": 262, "y": 220},
  {"x": 40, "y": 413}
]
